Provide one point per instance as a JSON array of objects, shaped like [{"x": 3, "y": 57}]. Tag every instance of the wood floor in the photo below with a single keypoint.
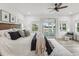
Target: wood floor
[{"x": 71, "y": 45}]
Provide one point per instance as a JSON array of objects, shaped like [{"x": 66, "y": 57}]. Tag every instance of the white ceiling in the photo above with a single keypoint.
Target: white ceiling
[{"x": 41, "y": 8}]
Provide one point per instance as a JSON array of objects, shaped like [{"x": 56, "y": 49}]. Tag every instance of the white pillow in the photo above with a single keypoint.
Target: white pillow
[
  {"x": 14, "y": 29},
  {"x": 6, "y": 34},
  {"x": 21, "y": 32},
  {"x": 2, "y": 32}
]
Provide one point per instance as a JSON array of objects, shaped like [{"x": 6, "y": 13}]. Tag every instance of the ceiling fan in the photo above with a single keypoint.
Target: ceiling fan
[{"x": 57, "y": 7}]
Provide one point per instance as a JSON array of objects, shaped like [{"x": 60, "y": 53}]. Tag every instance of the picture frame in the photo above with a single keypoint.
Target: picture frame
[
  {"x": 5, "y": 16},
  {"x": 12, "y": 18}
]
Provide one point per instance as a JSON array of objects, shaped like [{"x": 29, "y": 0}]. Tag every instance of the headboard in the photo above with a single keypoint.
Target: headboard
[{"x": 4, "y": 26}]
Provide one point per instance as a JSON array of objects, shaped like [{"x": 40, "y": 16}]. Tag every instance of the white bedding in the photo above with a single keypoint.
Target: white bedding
[
  {"x": 59, "y": 50},
  {"x": 21, "y": 47}
]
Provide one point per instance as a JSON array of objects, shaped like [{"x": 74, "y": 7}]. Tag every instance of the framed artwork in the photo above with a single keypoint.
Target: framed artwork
[
  {"x": 5, "y": 16},
  {"x": 12, "y": 18}
]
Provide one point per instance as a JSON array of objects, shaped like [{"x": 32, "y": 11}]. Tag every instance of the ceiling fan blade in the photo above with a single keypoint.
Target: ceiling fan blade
[
  {"x": 59, "y": 4},
  {"x": 50, "y": 8},
  {"x": 62, "y": 7},
  {"x": 56, "y": 4},
  {"x": 51, "y": 11},
  {"x": 56, "y": 9}
]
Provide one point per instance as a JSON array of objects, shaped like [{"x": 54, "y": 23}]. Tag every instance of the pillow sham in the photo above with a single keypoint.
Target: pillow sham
[
  {"x": 27, "y": 33},
  {"x": 14, "y": 35},
  {"x": 21, "y": 32}
]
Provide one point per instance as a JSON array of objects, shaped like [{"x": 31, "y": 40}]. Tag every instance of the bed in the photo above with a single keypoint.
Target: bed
[
  {"x": 59, "y": 50},
  {"x": 19, "y": 47},
  {"x": 22, "y": 47}
]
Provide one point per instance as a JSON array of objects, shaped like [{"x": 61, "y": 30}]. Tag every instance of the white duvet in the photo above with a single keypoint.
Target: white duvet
[
  {"x": 22, "y": 47},
  {"x": 19, "y": 47}
]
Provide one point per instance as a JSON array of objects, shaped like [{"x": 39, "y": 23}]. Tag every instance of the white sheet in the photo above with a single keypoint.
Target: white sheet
[
  {"x": 21, "y": 47},
  {"x": 59, "y": 50}
]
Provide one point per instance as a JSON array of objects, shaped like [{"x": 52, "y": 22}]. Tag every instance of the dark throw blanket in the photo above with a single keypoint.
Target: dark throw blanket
[
  {"x": 33, "y": 43},
  {"x": 49, "y": 49}
]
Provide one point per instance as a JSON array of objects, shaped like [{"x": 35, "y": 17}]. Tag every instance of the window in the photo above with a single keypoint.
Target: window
[
  {"x": 34, "y": 27},
  {"x": 63, "y": 27},
  {"x": 49, "y": 28},
  {"x": 77, "y": 27}
]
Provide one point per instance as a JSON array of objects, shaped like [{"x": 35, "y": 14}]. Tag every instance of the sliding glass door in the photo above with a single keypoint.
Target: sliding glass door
[{"x": 49, "y": 27}]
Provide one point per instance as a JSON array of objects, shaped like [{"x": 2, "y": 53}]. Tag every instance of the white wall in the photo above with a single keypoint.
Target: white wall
[
  {"x": 66, "y": 20},
  {"x": 71, "y": 24},
  {"x": 16, "y": 13},
  {"x": 28, "y": 20},
  {"x": 69, "y": 20},
  {"x": 75, "y": 19}
]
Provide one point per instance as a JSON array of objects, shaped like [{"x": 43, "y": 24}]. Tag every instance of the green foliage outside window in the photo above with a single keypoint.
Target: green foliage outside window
[{"x": 34, "y": 27}]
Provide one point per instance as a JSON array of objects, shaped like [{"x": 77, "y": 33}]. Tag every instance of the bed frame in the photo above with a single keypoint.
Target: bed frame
[{"x": 4, "y": 26}]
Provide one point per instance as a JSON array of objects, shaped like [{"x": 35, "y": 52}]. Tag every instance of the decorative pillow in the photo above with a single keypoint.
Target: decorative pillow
[
  {"x": 21, "y": 32},
  {"x": 7, "y": 35},
  {"x": 27, "y": 33},
  {"x": 14, "y": 35}
]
